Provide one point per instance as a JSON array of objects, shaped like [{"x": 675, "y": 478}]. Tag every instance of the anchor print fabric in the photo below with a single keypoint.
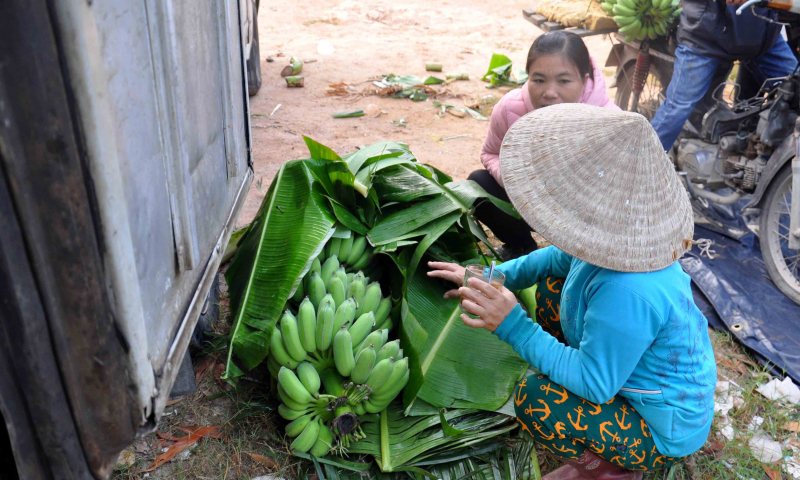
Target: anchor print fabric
[
  {"x": 566, "y": 425},
  {"x": 548, "y": 306}
]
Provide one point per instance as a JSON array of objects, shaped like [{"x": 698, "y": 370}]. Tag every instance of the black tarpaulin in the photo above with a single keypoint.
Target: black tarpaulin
[{"x": 736, "y": 294}]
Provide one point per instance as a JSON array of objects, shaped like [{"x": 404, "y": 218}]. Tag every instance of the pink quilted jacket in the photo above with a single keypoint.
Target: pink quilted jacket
[{"x": 517, "y": 103}]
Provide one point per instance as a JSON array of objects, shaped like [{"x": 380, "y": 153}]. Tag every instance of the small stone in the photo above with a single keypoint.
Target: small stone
[{"x": 373, "y": 110}]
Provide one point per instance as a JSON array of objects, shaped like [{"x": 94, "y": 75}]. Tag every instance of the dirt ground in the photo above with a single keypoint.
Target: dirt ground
[{"x": 371, "y": 38}]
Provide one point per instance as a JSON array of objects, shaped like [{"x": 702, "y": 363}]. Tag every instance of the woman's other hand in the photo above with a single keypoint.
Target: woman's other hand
[
  {"x": 491, "y": 304},
  {"x": 451, "y": 272}
]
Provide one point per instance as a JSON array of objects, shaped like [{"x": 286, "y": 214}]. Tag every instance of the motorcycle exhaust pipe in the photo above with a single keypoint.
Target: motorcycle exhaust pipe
[{"x": 696, "y": 193}]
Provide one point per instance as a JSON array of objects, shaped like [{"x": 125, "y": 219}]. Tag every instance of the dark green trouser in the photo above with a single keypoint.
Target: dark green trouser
[{"x": 566, "y": 425}]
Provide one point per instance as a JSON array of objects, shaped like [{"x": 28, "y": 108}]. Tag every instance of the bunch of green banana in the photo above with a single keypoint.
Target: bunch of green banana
[
  {"x": 640, "y": 19},
  {"x": 305, "y": 409},
  {"x": 353, "y": 251}
]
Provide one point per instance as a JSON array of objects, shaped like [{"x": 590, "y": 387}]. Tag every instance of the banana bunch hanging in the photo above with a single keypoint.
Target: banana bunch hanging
[
  {"x": 640, "y": 19},
  {"x": 333, "y": 360}
]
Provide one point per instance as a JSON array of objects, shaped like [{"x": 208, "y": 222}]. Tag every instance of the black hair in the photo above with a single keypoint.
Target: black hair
[{"x": 566, "y": 44}]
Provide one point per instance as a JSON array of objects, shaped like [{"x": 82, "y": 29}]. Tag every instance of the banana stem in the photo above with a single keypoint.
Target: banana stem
[
  {"x": 361, "y": 188},
  {"x": 385, "y": 464}
]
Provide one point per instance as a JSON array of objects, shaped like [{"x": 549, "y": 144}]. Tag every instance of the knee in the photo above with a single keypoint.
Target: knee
[{"x": 479, "y": 176}]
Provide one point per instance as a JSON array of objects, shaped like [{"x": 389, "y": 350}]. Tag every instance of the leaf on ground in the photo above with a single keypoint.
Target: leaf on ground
[
  {"x": 173, "y": 402},
  {"x": 772, "y": 474},
  {"x": 713, "y": 448},
  {"x": 182, "y": 444},
  {"x": 268, "y": 462},
  {"x": 126, "y": 459},
  {"x": 207, "y": 433},
  {"x": 168, "y": 436},
  {"x": 792, "y": 426},
  {"x": 203, "y": 368}
]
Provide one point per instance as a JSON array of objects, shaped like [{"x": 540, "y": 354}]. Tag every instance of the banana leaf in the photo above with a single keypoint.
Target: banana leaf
[
  {"x": 287, "y": 234},
  {"x": 399, "y": 443},
  {"x": 404, "y": 183},
  {"x": 436, "y": 340}
]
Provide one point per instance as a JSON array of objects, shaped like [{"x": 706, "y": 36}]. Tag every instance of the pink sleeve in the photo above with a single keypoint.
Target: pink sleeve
[{"x": 490, "y": 153}]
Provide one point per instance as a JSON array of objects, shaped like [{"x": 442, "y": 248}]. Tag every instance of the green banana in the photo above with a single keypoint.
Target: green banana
[
  {"x": 359, "y": 244},
  {"x": 330, "y": 266},
  {"x": 278, "y": 351},
  {"x": 316, "y": 289},
  {"x": 380, "y": 373},
  {"x": 622, "y": 11},
  {"x": 399, "y": 369},
  {"x": 306, "y": 440},
  {"x": 333, "y": 247},
  {"x": 346, "y": 246},
  {"x": 307, "y": 325},
  {"x": 343, "y": 352},
  {"x": 375, "y": 339},
  {"x": 391, "y": 349},
  {"x": 373, "y": 408},
  {"x": 299, "y": 293},
  {"x": 325, "y": 320},
  {"x": 363, "y": 260},
  {"x": 631, "y": 27},
  {"x": 356, "y": 289},
  {"x": 342, "y": 275},
  {"x": 292, "y": 386},
  {"x": 389, "y": 394},
  {"x": 309, "y": 377},
  {"x": 384, "y": 336},
  {"x": 362, "y": 327},
  {"x": 336, "y": 290},
  {"x": 609, "y": 8},
  {"x": 382, "y": 312},
  {"x": 622, "y": 21},
  {"x": 316, "y": 266},
  {"x": 289, "y": 414},
  {"x": 345, "y": 314},
  {"x": 289, "y": 401},
  {"x": 359, "y": 409},
  {"x": 296, "y": 426},
  {"x": 372, "y": 298},
  {"x": 387, "y": 325},
  {"x": 291, "y": 337},
  {"x": 365, "y": 360},
  {"x": 324, "y": 442}
]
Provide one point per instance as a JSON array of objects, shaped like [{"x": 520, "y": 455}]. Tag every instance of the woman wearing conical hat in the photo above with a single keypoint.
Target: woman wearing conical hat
[{"x": 632, "y": 389}]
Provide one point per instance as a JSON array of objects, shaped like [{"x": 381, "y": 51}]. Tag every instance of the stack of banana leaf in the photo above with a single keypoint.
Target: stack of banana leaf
[{"x": 402, "y": 213}]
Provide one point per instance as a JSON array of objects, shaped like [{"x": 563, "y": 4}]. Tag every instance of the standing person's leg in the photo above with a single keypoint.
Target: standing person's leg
[
  {"x": 514, "y": 232},
  {"x": 779, "y": 61},
  {"x": 690, "y": 81}
]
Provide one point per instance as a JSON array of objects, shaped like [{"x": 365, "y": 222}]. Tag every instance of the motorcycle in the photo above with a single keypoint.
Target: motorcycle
[{"x": 743, "y": 154}]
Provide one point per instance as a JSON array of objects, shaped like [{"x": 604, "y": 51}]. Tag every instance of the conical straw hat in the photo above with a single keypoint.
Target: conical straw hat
[{"x": 597, "y": 184}]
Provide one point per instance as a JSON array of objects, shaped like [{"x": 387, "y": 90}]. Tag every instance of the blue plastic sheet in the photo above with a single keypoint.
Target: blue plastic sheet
[{"x": 736, "y": 294}]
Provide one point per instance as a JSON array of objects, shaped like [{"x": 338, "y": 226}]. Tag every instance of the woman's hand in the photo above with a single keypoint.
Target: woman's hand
[
  {"x": 452, "y": 272},
  {"x": 491, "y": 304}
]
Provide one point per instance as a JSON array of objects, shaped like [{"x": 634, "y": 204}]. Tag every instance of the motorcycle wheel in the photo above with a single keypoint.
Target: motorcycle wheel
[
  {"x": 782, "y": 264},
  {"x": 653, "y": 93}
]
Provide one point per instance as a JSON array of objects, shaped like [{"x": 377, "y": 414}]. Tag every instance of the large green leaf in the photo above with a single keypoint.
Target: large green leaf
[
  {"x": 398, "y": 442},
  {"x": 288, "y": 232},
  {"x": 396, "y": 225},
  {"x": 446, "y": 375}
]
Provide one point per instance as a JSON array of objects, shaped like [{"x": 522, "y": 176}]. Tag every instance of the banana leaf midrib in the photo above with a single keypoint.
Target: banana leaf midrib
[
  {"x": 437, "y": 344},
  {"x": 246, "y": 296}
]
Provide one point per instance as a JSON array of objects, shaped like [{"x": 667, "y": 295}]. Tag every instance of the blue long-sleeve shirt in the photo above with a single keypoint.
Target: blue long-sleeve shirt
[{"x": 639, "y": 335}]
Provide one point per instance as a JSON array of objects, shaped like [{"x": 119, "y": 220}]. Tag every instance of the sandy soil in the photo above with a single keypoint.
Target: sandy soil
[{"x": 371, "y": 38}]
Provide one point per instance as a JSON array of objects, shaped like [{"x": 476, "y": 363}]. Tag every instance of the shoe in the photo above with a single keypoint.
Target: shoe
[
  {"x": 508, "y": 252},
  {"x": 591, "y": 467},
  {"x": 567, "y": 472}
]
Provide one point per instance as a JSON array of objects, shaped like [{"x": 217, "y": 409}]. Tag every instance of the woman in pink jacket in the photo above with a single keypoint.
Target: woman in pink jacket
[{"x": 560, "y": 71}]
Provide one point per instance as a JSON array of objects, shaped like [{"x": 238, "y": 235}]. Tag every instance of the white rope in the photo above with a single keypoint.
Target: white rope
[{"x": 705, "y": 244}]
